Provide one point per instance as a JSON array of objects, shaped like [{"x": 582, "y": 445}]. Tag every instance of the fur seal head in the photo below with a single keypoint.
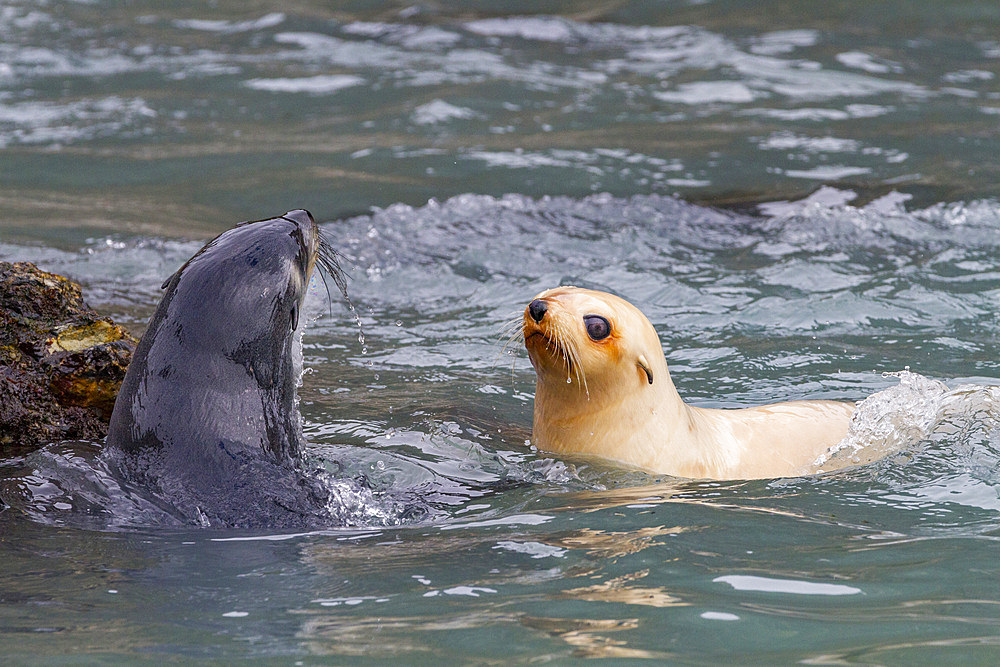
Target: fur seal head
[{"x": 584, "y": 341}]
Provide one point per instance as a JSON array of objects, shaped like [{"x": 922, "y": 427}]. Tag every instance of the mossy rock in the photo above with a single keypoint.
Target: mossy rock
[{"x": 61, "y": 364}]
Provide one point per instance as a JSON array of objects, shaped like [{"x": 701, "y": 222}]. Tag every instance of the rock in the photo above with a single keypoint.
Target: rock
[{"x": 60, "y": 363}]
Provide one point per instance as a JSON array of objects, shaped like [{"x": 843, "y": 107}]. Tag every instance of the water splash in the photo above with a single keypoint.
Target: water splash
[
  {"x": 913, "y": 411},
  {"x": 352, "y": 504}
]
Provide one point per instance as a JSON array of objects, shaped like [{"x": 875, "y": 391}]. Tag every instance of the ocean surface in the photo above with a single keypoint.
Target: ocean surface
[{"x": 802, "y": 197}]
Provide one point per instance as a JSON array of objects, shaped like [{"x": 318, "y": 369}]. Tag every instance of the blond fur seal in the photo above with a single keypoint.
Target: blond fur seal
[{"x": 603, "y": 389}]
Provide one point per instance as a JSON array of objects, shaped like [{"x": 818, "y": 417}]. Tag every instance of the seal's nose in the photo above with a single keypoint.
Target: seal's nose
[
  {"x": 537, "y": 309},
  {"x": 301, "y": 216}
]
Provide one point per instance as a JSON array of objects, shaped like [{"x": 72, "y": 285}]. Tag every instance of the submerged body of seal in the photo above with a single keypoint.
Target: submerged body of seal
[
  {"x": 206, "y": 420},
  {"x": 603, "y": 389}
]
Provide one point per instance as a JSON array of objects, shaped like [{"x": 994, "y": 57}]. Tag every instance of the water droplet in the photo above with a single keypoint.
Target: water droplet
[
  {"x": 399, "y": 323},
  {"x": 569, "y": 380}
]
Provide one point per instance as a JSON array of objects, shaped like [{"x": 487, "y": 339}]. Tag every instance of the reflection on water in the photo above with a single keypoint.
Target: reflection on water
[
  {"x": 589, "y": 637},
  {"x": 620, "y": 590},
  {"x": 611, "y": 545},
  {"x": 329, "y": 634}
]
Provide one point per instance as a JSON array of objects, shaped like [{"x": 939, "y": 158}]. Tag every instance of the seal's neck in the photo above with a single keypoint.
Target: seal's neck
[
  {"x": 649, "y": 426},
  {"x": 601, "y": 418}
]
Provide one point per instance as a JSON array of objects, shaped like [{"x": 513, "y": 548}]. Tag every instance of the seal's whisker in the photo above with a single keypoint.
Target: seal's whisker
[
  {"x": 515, "y": 323},
  {"x": 567, "y": 359},
  {"x": 510, "y": 330},
  {"x": 329, "y": 260},
  {"x": 550, "y": 344},
  {"x": 326, "y": 286},
  {"x": 514, "y": 337},
  {"x": 556, "y": 345},
  {"x": 562, "y": 352},
  {"x": 581, "y": 372},
  {"x": 574, "y": 361},
  {"x": 573, "y": 365}
]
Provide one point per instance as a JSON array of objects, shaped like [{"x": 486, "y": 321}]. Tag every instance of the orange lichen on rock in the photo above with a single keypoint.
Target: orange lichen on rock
[{"x": 60, "y": 363}]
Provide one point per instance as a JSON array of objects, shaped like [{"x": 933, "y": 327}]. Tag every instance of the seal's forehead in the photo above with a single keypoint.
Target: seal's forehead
[
  {"x": 280, "y": 238},
  {"x": 249, "y": 253},
  {"x": 586, "y": 301}
]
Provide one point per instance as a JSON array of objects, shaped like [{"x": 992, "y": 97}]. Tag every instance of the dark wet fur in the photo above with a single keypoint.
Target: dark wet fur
[{"x": 205, "y": 424}]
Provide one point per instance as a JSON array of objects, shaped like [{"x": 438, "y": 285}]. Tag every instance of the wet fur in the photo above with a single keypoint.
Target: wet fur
[{"x": 206, "y": 422}]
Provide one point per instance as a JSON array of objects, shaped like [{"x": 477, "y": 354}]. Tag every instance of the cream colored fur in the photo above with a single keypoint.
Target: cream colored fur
[{"x": 594, "y": 398}]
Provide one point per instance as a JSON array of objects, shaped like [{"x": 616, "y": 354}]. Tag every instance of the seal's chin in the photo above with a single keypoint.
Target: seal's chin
[{"x": 536, "y": 337}]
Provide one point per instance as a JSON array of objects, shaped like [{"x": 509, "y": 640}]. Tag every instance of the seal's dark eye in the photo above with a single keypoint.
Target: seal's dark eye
[{"x": 598, "y": 328}]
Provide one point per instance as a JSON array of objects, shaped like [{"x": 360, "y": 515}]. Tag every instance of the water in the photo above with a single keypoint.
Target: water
[{"x": 852, "y": 150}]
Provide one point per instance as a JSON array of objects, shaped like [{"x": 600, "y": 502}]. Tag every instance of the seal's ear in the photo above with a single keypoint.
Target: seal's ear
[
  {"x": 644, "y": 365},
  {"x": 166, "y": 282}
]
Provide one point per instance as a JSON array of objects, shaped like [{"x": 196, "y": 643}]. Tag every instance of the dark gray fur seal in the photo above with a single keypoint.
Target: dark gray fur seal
[{"x": 206, "y": 422}]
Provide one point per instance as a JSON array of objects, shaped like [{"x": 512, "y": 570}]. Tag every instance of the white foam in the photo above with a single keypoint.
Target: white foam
[
  {"x": 50, "y": 122},
  {"x": 266, "y": 21},
  {"x": 786, "y": 141},
  {"x": 707, "y": 92},
  {"x": 866, "y": 62},
  {"x": 784, "y": 41},
  {"x": 439, "y": 111},
  {"x": 542, "y": 28},
  {"x": 315, "y": 85},
  {"x": 827, "y": 172}
]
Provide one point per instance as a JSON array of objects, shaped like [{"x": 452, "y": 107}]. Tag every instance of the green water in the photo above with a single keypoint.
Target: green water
[{"x": 465, "y": 157}]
